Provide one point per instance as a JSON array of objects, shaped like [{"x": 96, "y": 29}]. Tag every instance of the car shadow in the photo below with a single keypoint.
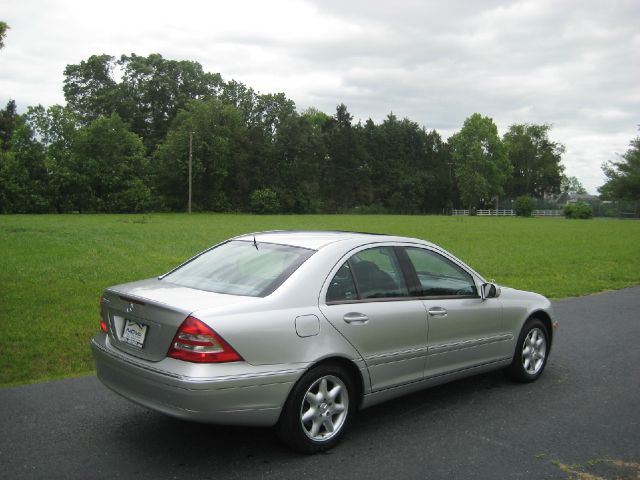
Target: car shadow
[{"x": 149, "y": 441}]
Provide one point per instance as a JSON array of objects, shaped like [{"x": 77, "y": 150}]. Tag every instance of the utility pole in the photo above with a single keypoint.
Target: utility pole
[{"x": 190, "y": 162}]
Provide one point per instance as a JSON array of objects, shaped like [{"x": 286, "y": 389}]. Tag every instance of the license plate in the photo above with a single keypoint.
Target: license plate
[{"x": 134, "y": 333}]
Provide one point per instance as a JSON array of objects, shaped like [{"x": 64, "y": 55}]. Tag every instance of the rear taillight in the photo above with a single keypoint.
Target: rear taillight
[
  {"x": 197, "y": 342},
  {"x": 103, "y": 325}
]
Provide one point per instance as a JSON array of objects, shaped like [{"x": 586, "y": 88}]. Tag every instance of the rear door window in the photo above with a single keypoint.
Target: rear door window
[{"x": 374, "y": 273}]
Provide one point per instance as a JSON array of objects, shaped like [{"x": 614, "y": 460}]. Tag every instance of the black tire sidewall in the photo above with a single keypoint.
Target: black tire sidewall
[{"x": 289, "y": 428}]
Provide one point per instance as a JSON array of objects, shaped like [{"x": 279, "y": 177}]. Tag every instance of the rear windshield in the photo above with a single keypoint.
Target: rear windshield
[{"x": 240, "y": 268}]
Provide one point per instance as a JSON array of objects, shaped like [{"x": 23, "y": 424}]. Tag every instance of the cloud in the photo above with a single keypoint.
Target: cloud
[{"x": 574, "y": 64}]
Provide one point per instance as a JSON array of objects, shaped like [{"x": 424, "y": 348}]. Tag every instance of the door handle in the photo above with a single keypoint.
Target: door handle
[
  {"x": 354, "y": 317},
  {"x": 437, "y": 312}
]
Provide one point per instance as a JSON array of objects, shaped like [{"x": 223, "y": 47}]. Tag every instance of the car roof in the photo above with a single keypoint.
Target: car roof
[{"x": 317, "y": 239}]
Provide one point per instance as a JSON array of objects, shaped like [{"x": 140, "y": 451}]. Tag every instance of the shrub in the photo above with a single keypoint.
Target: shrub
[
  {"x": 264, "y": 200},
  {"x": 578, "y": 210},
  {"x": 524, "y": 206}
]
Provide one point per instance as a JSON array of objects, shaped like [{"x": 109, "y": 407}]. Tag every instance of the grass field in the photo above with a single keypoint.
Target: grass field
[{"x": 53, "y": 268}]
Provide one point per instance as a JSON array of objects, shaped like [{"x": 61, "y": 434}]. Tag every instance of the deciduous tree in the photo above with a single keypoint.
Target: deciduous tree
[
  {"x": 153, "y": 89},
  {"x": 219, "y": 146},
  {"x": 572, "y": 186},
  {"x": 111, "y": 167},
  {"x": 481, "y": 163},
  {"x": 23, "y": 173},
  {"x": 535, "y": 161},
  {"x": 55, "y": 128},
  {"x": 90, "y": 89},
  {"x": 148, "y": 95}
]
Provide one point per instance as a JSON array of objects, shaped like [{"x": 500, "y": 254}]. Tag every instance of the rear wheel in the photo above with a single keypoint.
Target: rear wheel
[
  {"x": 318, "y": 410},
  {"x": 531, "y": 352}
]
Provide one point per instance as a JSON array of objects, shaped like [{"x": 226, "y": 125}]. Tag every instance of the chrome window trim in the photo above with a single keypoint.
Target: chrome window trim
[
  {"x": 476, "y": 277},
  {"x": 401, "y": 299}
]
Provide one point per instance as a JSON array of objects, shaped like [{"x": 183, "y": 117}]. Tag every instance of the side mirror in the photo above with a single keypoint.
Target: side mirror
[{"x": 489, "y": 290}]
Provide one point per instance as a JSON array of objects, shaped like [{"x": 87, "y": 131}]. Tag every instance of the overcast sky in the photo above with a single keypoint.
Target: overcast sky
[{"x": 572, "y": 63}]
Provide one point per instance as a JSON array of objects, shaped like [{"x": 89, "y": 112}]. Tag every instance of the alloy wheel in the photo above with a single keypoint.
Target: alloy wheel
[
  {"x": 324, "y": 409},
  {"x": 534, "y": 351}
]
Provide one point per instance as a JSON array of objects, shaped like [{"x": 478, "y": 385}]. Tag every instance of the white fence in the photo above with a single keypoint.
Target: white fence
[
  {"x": 548, "y": 213},
  {"x": 509, "y": 213},
  {"x": 497, "y": 213}
]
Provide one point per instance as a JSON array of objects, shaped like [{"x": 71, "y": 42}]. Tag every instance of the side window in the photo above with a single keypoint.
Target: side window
[
  {"x": 373, "y": 273},
  {"x": 342, "y": 287},
  {"x": 438, "y": 276},
  {"x": 378, "y": 274}
]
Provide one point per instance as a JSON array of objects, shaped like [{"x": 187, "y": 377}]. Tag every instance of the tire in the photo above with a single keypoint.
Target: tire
[
  {"x": 531, "y": 353},
  {"x": 318, "y": 410}
]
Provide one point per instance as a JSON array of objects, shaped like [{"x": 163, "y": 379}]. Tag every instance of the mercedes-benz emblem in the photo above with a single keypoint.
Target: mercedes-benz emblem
[{"x": 129, "y": 308}]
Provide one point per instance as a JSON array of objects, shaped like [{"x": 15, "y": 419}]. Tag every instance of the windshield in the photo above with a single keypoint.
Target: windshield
[{"x": 240, "y": 268}]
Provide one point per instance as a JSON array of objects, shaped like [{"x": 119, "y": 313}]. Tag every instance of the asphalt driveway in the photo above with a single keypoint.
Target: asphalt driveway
[{"x": 581, "y": 418}]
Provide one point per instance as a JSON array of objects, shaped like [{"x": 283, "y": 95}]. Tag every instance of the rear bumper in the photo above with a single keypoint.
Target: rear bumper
[{"x": 238, "y": 394}]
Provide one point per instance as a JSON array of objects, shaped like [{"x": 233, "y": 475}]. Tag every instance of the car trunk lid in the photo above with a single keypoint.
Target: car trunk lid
[{"x": 143, "y": 317}]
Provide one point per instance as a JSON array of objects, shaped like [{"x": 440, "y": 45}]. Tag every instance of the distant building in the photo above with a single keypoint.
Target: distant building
[{"x": 566, "y": 198}]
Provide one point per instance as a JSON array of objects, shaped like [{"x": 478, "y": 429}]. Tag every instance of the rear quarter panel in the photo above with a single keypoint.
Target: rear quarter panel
[{"x": 271, "y": 337}]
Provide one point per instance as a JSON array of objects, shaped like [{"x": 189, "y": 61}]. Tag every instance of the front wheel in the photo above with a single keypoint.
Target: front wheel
[
  {"x": 531, "y": 352},
  {"x": 318, "y": 410}
]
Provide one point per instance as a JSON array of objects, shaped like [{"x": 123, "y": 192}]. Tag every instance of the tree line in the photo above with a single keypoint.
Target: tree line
[{"x": 122, "y": 144}]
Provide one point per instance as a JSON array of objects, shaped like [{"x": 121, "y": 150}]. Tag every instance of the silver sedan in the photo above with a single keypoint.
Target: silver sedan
[{"x": 299, "y": 330}]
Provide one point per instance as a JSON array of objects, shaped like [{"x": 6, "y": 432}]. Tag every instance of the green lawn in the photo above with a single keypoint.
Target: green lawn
[{"x": 54, "y": 267}]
